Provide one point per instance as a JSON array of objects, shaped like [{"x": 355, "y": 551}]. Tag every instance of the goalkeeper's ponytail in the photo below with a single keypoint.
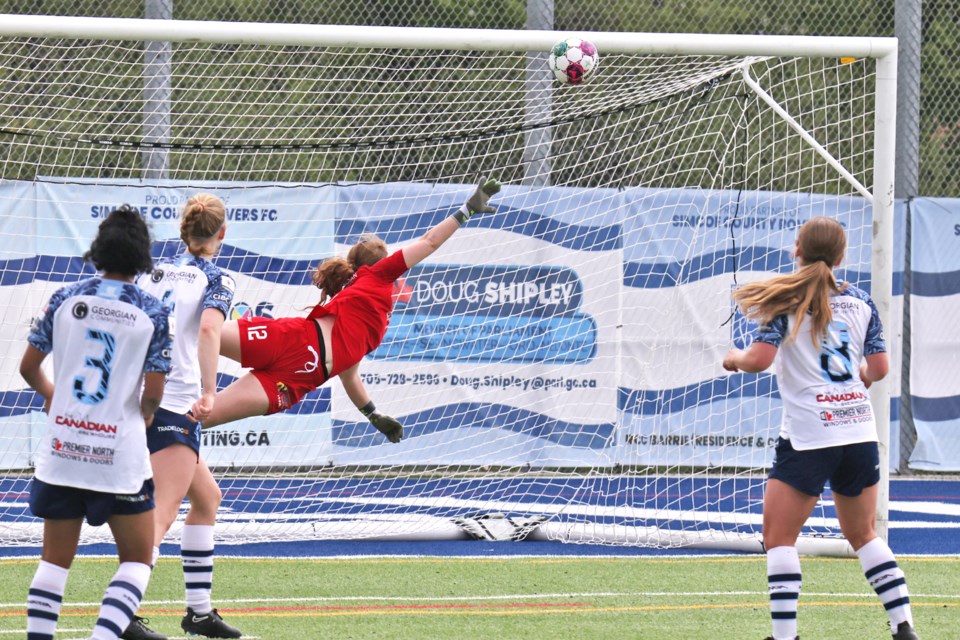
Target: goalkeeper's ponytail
[{"x": 333, "y": 274}]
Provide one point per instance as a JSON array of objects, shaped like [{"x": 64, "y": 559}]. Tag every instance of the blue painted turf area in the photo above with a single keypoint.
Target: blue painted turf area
[{"x": 924, "y": 514}]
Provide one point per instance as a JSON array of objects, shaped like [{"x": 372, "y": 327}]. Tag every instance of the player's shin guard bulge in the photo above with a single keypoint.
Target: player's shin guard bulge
[{"x": 210, "y": 625}]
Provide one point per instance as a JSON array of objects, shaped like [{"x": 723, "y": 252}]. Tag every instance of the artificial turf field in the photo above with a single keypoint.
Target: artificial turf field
[{"x": 562, "y": 597}]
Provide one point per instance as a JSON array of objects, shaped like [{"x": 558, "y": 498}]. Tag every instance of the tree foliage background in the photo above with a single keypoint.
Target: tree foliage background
[{"x": 940, "y": 65}]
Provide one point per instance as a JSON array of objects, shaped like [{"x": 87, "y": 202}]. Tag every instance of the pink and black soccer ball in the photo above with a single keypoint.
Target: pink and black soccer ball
[{"x": 574, "y": 61}]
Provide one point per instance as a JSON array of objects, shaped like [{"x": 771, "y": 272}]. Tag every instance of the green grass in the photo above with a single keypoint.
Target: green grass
[{"x": 550, "y": 598}]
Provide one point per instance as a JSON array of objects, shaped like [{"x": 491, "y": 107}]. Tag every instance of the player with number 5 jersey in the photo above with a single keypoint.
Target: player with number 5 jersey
[
  {"x": 828, "y": 343},
  {"x": 109, "y": 340}
]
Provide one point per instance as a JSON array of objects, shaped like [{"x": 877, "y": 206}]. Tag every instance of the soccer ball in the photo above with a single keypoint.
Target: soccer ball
[{"x": 574, "y": 61}]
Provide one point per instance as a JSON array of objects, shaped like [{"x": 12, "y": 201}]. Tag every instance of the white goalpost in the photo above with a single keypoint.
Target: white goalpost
[{"x": 556, "y": 364}]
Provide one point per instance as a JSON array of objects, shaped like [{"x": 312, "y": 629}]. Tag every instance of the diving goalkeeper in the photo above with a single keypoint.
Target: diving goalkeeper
[{"x": 289, "y": 357}]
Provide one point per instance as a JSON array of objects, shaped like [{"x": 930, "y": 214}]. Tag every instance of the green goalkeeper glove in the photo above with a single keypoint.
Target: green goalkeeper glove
[
  {"x": 386, "y": 425},
  {"x": 477, "y": 203}
]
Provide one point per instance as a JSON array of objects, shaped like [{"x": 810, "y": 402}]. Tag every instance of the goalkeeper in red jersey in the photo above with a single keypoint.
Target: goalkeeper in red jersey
[{"x": 289, "y": 357}]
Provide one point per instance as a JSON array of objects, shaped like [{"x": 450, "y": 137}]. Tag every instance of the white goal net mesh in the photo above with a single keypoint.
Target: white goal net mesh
[{"x": 557, "y": 360}]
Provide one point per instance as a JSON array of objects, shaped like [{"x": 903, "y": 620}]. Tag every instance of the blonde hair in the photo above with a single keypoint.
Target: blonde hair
[
  {"x": 333, "y": 274},
  {"x": 821, "y": 244},
  {"x": 203, "y": 217}
]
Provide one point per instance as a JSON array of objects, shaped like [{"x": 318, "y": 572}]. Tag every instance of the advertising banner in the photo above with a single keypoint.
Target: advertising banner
[
  {"x": 935, "y": 348},
  {"x": 502, "y": 348},
  {"x": 571, "y": 328}
]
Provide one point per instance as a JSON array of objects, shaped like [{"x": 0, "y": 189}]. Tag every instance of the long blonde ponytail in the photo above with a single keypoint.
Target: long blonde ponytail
[{"x": 821, "y": 244}]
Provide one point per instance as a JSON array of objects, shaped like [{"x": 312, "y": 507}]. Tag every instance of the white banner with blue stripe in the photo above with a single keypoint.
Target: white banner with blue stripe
[
  {"x": 935, "y": 333},
  {"x": 573, "y": 328}
]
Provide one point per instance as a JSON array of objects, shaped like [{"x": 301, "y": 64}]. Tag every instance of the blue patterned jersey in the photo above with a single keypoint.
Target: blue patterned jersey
[{"x": 104, "y": 334}]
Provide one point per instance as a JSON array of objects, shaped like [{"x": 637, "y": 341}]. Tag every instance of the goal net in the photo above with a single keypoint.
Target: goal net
[{"x": 556, "y": 364}]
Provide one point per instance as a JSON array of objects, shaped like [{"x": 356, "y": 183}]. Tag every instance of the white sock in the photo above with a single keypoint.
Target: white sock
[
  {"x": 783, "y": 583},
  {"x": 196, "y": 549},
  {"x": 44, "y": 600},
  {"x": 885, "y": 577},
  {"x": 121, "y": 600},
  {"x": 155, "y": 557}
]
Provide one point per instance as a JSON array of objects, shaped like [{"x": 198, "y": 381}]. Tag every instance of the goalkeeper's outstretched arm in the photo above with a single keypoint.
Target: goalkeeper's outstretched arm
[{"x": 432, "y": 239}]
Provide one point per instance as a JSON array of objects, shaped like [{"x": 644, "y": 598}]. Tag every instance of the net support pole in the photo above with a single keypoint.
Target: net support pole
[
  {"x": 809, "y": 139},
  {"x": 909, "y": 31},
  {"x": 881, "y": 286}
]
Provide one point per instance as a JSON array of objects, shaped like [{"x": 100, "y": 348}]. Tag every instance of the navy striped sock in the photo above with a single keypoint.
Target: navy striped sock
[
  {"x": 887, "y": 579},
  {"x": 44, "y": 601},
  {"x": 783, "y": 583},
  {"x": 121, "y": 600},
  {"x": 196, "y": 550}
]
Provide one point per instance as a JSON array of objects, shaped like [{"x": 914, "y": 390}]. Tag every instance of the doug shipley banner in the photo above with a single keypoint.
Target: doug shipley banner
[{"x": 571, "y": 328}]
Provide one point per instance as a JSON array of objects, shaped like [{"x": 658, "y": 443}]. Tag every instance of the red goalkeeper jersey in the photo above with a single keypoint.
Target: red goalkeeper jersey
[{"x": 362, "y": 310}]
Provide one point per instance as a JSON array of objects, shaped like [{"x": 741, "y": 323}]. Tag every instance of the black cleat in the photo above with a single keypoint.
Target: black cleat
[
  {"x": 905, "y": 632},
  {"x": 772, "y": 638},
  {"x": 138, "y": 630},
  {"x": 210, "y": 625}
]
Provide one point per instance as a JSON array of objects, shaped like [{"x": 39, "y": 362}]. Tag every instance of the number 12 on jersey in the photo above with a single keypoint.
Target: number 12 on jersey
[{"x": 257, "y": 332}]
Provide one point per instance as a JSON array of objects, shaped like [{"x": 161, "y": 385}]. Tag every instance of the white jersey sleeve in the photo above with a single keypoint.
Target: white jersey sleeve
[
  {"x": 825, "y": 403},
  {"x": 104, "y": 335},
  {"x": 189, "y": 285}
]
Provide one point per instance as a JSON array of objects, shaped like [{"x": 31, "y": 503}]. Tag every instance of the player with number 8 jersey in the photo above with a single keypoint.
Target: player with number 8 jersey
[{"x": 828, "y": 342}]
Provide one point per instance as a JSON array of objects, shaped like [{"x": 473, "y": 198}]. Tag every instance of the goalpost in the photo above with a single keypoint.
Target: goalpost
[{"x": 557, "y": 363}]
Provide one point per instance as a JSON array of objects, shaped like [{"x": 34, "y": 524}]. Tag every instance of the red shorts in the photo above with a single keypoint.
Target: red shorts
[{"x": 286, "y": 355}]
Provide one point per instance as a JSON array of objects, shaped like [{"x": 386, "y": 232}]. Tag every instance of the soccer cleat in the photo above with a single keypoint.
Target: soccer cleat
[
  {"x": 138, "y": 630},
  {"x": 772, "y": 638},
  {"x": 210, "y": 625},
  {"x": 905, "y": 632}
]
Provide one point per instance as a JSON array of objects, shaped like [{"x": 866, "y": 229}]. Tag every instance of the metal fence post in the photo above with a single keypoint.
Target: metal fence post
[
  {"x": 157, "y": 59},
  {"x": 908, "y": 30},
  {"x": 538, "y": 103}
]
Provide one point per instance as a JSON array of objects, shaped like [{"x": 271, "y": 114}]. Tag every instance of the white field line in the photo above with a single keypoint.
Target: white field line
[
  {"x": 507, "y": 597},
  {"x": 721, "y": 517},
  {"x": 23, "y": 632}
]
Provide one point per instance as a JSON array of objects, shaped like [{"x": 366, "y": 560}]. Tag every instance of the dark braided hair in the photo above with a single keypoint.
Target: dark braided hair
[{"x": 122, "y": 244}]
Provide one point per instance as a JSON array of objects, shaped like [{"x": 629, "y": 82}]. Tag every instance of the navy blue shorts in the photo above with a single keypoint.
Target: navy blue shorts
[
  {"x": 56, "y": 502},
  {"x": 172, "y": 428},
  {"x": 850, "y": 468}
]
